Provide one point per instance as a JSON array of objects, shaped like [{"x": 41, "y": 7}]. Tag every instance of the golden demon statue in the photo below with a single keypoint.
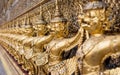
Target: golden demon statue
[
  {"x": 96, "y": 50},
  {"x": 59, "y": 27}
]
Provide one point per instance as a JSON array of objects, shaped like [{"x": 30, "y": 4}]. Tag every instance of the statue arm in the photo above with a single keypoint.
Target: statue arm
[{"x": 103, "y": 49}]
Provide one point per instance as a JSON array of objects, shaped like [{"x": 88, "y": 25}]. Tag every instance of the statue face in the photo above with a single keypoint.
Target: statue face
[
  {"x": 57, "y": 27},
  {"x": 40, "y": 29},
  {"x": 92, "y": 21}
]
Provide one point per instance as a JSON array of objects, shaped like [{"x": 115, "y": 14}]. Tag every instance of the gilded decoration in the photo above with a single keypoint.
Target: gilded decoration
[{"x": 64, "y": 37}]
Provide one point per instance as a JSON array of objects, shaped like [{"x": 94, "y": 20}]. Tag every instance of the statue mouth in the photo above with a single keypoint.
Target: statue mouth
[{"x": 86, "y": 25}]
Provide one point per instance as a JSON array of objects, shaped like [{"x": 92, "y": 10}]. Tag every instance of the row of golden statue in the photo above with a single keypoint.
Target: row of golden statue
[{"x": 39, "y": 48}]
